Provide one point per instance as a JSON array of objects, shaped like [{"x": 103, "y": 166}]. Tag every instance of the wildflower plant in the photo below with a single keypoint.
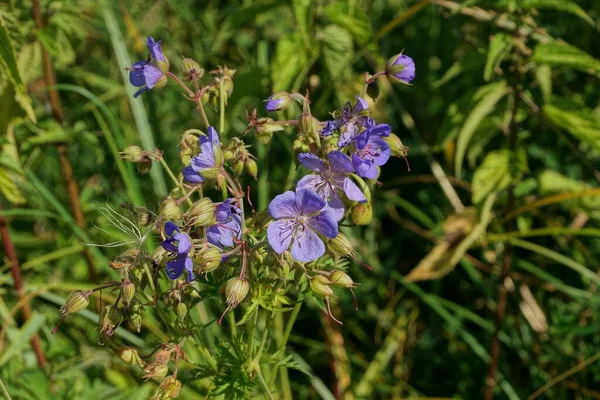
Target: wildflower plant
[{"x": 222, "y": 265}]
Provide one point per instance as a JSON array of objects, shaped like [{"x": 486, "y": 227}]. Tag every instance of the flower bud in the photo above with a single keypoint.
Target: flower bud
[
  {"x": 236, "y": 291},
  {"x": 396, "y": 146},
  {"x": 320, "y": 286},
  {"x": 202, "y": 212},
  {"x": 155, "y": 371},
  {"x": 181, "y": 310},
  {"x": 228, "y": 155},
  {"x": 77, "y": 301},
  {"x": 162, "y": 357},
  {"x": 169, "y": 388},
  {"x": 362, "y": 213},
  {"x": 373, "y": 90},
  {"x": 191, "y": 69},
  {"x": 110, "y": 317},
  {"x": 129, "y": 356},
  {"x": 300, "y": 146},
  {"x": 278, "y": 101},
  {"x": 238, "y": 167},
  {"x": 340, "y": 245},
  {"x": 251, "y": 167},
  {"x": 210, "y": 173},
  {"x": 160, "y": 256},
  {"x": 127, "y": 291},
  {"x": 169, "y": 210},
  {"x": 207, "y": 259},
  {"x": 132, "y": 154},
  {"x": 162, "y": 81},
  {"x": 136, "y": 321},
  {"x": 144, "y": 165},
  {"x": 330, "y": 144},
  {"x": 400, "y": 69},
  {"x": 341, "y": 279}
]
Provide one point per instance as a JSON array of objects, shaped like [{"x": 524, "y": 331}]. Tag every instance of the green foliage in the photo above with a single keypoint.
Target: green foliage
[{"x": 557, "y": 54}]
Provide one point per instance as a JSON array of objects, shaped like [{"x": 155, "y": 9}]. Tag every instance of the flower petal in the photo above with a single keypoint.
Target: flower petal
[
  {"x": 383, "y": 152},
  {"x": 308, "y": 201},
  {"x": 190, "y": 175},
  {"x": 348, "y": 135},
  {"x": 189, "y": 266},
  {"x": 171, "y": 227},
  {"x": 311, "y": 161},
  {"x": 307, "y": 246},
  {"x": 381, "y": 130},
  {"x": 175, "y": 267},
  {"x": 136, "y": 74},
  {"x": 185, "y": 243},
  {"x": 353, "y": 191},
  {"x": 206, "y": 158},
  {"x": 325, "y": 224},
  {"x": 313, "y": 182},
  {"x": 336, "y": 206},
  {"x": 279, "y": 234},
  {"x": 284, "y": 206},
  {"x": 142, "y": 90},
  {"x": 152, "y": 75},
  {"x": 211, "y": 137},
  {"x": 155, "y": 50},
  {"x": 361, "y": 105},
  {"x": 364, "y": 168},
  {"x": 339, "y": 162}
]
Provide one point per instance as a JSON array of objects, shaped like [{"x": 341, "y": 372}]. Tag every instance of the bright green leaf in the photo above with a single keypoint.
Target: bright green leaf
[
  {"x": 500, "y": 46},
  {"x": 557, "y": 54},
  {"x": 579, "y": 121}
]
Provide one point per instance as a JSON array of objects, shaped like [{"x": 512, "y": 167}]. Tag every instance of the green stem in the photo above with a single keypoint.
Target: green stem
[
  {"x": 252, "y": 329},
  {"x": 222, "y": 109},
  {"x": 262, "y": 152},
  {"x": 290, "y": 323},
  {"x": 180, "y": 83},
  {"x": 261, "y": 379},
  {"x": 174, "y": 178}
]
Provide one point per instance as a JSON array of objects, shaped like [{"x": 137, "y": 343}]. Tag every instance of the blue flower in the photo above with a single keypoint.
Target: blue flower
[
  {"x": 228, "y": 225},
  {"x": 371, "y": 151},
  {"x": 179, "y": 245},
  {"x": 150, "y": 74},
  {"x": 350, "y": 120},
  {"x": 330, "y": 180},
  {"x": 300, "y": 217},
  {"x": 209, "y": 146},
  {"x": 400, "y": 69}
]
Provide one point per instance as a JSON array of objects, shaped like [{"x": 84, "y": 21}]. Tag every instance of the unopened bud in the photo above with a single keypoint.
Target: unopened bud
[
  {"x": 155, "y": 371},
  {"x": 160, "y": 256},
  {"x": 362, "y": 213},
  {"x": 210, "y": 173},
  {"x": 340, "y": 245},
  {"x": 320, "y": 286},
  {"x": 207, "y": 259},
  {"x": 169, "y": 210},
  {"x": 129, "y": 356},
  {"x": 77, "y": 301},
  {"x": 191, "y": 69},
  {"x": 341, "y": 279},
  {"x": 373, "y": 90},
  {"x": 136, "y": 321},
  {"x": 144, "y": 165},
  {"x": 238, "y": 167},
  {"x": 127, "y": 291},
  {"x": 400, "y": 69},
  {"x": 396, "y": 146},
  {"x": 228, "y": 155},
  {"x": 132, "y": 154},
  {"x": 110, "y": 317},
  {"x": 251, "y": 168},
  {"x": 169, "y": 388},
  {"x": 202, "y": 212},
  {"x": 236, "y": 291},
  {"x": 278, "y": 101},
  {"x": 162, "y": 357},
  {"x": 181, "y": 310}
]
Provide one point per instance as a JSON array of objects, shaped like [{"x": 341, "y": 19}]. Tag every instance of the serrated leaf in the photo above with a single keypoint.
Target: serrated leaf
[
  {"x": 58, "y": 45},
  {"x": 500, "y": 46},
  {"x": 359, "y": 24},
  {"x": 290, "y": 59},
  {"x": 302, "y": 10},
  {"x": 558, "y": 54},
  {"x": 487, "y": 97},
  {"x": 581, "y": 122},
  {"x": 337, "y": 49},
  {"x": 498, "y": 170}
]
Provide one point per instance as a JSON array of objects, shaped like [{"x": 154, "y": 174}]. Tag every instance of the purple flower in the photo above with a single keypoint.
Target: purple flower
[
  {"x": 209, "y": 145},
  {"x": 347, "y": 117},
  {"x": 330, "y": 180},
  {"x": 178, "y": 244},
  {"x": 400, "y": 68},
  {"x": 300, "y": 217},
  {"x": 228, "y": 226},
  {"x": 278, "y": 101},
  {"x": 371, "y": 151},
  {"x": 148, "y": 75}
]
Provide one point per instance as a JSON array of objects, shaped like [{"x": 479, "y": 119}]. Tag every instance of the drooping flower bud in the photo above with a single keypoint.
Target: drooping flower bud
[
  {"x": 160, "y": 256},
  {"x": 340, "y": 245},
  {"x": 373, "y": 90},
  {"x": 155, "y": 371},
  {"x": 238, "y": 167},
  {"x": 251, "y": 167},
  {"x": 110, "y": 318},
  {"x": 210, "y": 173},
  {"x": 132, "y": 154},
  {"x": 320, "y": 286},
  {"x": 136, "y": 321},
  {"x": 278, "y": 101},
  {"x": 400, "y": 69},
  {"x": 396, "y": 146},
  {"x": 236, "y": 291},
  {"x": 362, "y": 213},
  {"x": 169, "y": 388},
  {"x": 130, "y": 356},
  {"x": 169, "y": 210},
  {"x": 127, "y": 291},
  {"x": 202, "y": 212},
  {"x": 207, "y": 259},
  {"x": 191, "y": 69},
  {"x": 77, "y": 301},
  {"x": 341, "y": 279}
]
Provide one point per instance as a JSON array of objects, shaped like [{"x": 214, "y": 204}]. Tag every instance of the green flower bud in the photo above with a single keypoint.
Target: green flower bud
[
  {"x": 129, "y": 356},
  {"x": 169, "y": 388},
  {"x": 162, "y": 81},
  {"x": 373, "y": 90},
  {"x": 144, "y": 165},
  {"x": 132, "y": 154},
  {"x": 278, "y": 101},
  {"x": 136, "y": 321},
  {"x": 110, "y": 317},
  {"x": 238, "y": 167},
  {"x": 396, "y": 146},
  {"x": 341, "y": 279},
  {"x": 77, "y": 301},
  {"x": 228, "y": 155},
  {"x": 169, "y": 210},
  {"x": 210, "y": 173},
  {"x": 320, "y": 286},
  {"x": 236, "y": 291},
  {"x": 202, "y": 212},
  {"x": 207, "y": 259},
  {"x": 191, "y": 69},
  {"x": 330, "y": 144},
  {"x": 362, "y": 213},
  {"x": 300, "y": 146},
  {"x": 251, "y": 168},
  {"x": 181, "y": 310},
  {"x": 340, "y": 245},
  {"x": 160, "y": 256},
  {"x": 155, "y": 371},
  {"x": 127, "y": 291}
]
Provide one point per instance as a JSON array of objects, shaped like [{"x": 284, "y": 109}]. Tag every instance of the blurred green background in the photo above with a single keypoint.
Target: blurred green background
[{"x": 498, "y": 217}]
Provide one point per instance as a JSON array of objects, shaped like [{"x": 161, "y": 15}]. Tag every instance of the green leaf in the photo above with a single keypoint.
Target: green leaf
[
  {"x": 31, "y": 327},
  {"x": 579, "y": 121},
  {"x": 543, "y": 74},
  {"x": 565, "y": 6},
  {"x": 337, "y": 49},
  {"x": 290, "y": 59},
  {"x": 557, "y": 54},
  {"x": 486, "y": 99},
  {"x": 552, "y": 182},
  {"x": 497, "y": 171},
  {"x": 302, "y": 9},
  {"x": 500, "y": 46},
  {"x": 359, "y": 24}
]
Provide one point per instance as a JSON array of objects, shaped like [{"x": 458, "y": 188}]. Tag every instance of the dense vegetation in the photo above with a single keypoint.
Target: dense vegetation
[{"x": 485, "y": 251}]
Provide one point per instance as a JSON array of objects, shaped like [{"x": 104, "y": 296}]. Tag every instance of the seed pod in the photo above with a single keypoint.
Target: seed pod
[
  {"x": 127, "y": 291},
  {"x": 155, "y": 371},
  {"x": 191, "y": 69},
  {"x": 238, "y": 167},
  {"x": 169, "y": 210},
  {"x": 136, "y": 321},
  {"x": 129, "y": 356},
  {"x": 340, "y": 245},
  {"x": 144, "y": 165},
  {"x": 320, "y": 286},
  {"x": 181, "y": 310},
  {"x": 341, "y": 279},
  {"x": 160, "y": 256},
  {"x": 202, "y": 212},
  {"x": 132, "y": 154},
  {"x": 362, "y": 213},
  {"x": 77, "y": 301},
  {"x": 236, "y": 291},
  {"x": 207, "y": 259},
  {"x": 169, "y": 388},
  {"x": 251, "y": 168},
  {"x": 162, "y": 357}
]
